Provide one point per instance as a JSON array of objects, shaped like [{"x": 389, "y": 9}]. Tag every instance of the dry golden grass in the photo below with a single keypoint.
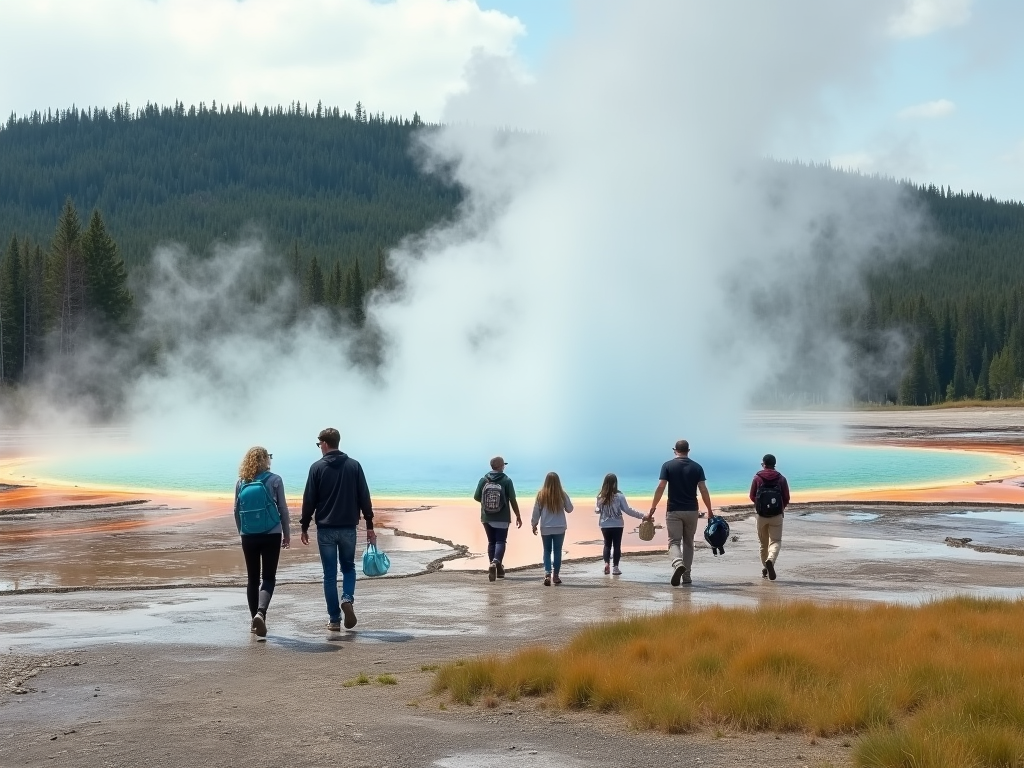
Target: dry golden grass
[{"x": 936, "y": 686}]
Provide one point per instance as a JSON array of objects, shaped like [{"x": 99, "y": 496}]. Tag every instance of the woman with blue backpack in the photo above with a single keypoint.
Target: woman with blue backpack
[{"x": 261, "y": 516}]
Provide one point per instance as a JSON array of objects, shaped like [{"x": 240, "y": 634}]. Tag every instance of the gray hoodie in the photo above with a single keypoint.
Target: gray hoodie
[
  {"x": 551, "y": 521},
  {"x": 611, "y": 514}
]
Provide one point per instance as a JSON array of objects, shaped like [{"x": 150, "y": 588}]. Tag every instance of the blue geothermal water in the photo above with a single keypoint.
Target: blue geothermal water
[{"x": 809, "y": 466}]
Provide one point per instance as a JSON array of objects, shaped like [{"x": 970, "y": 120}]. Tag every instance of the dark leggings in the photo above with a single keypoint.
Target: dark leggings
[
  {"x": 612, "y": 539},
  {"x": 260, "y": 548},
  {"x": 495, "y": 543}
]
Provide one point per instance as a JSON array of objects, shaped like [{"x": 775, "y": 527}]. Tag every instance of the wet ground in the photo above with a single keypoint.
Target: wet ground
[
  {"x": 126, "y": 628},
  {"x": 830, "y": 552},
  {"x": 172, "y": 677}
]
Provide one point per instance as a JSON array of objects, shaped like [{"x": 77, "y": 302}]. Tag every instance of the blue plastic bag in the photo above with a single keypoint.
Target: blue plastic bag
[{"x": 375, "y": 562}]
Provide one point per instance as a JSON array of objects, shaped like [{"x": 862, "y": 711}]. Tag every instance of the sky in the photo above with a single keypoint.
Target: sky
[{"x": 939, "y": 103}]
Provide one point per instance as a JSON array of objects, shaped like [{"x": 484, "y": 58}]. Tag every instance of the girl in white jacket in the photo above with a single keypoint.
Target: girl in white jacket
[{"x": 611, "y": 505}]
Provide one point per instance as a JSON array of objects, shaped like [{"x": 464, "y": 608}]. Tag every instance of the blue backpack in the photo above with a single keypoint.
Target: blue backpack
[
  {"x": 257, "y": 510},
  {"x": 716, "y": 534}
]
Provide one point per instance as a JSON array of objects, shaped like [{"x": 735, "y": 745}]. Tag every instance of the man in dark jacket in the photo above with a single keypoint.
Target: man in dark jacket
[
  {"x": 497, "y": 498},
  {"x": 336, "y": 493},
  {"x": 772, "y": 489}
]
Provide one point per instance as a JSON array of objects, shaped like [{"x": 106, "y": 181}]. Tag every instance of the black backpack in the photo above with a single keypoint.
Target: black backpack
[
  {"x": 768, "y": 501},
  {"x": 716, "y": 534}
]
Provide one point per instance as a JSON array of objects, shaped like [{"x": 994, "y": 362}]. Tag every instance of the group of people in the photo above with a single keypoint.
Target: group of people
[
  {"x": 683, "y": 480},
  {"x": 336, "y": 496}
]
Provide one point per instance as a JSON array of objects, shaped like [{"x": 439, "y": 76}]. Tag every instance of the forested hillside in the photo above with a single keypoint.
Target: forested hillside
[
  {"x": 332, "y": 190},
  {"x": 961, "y": 307},
  {"x": 338, "y": 185}
]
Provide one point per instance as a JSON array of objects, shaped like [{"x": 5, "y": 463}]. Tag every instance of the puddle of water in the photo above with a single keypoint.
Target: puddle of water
[
  {"x": 156, "y": 546},
  {"x": 1013, "y": 517},
  {"x": 839, "y": 517},
  {"x": 513, "y": 757}
]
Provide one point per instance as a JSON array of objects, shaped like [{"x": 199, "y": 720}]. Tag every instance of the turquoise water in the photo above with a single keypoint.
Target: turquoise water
[{"x": 808, "y": 466}]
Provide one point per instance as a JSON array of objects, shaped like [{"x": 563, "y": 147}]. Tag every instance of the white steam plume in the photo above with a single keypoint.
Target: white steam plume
[{"x": 598, "y": 298}]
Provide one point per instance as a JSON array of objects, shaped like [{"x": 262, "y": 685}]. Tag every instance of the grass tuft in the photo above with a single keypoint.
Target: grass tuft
[
  {"x": 933, "y": 686},
  {"x": 387, "y": 679}
]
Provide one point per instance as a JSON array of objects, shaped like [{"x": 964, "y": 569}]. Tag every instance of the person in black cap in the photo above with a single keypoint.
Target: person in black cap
[
  {"x": 769, "y": 491},
  {"x": 336, "y": 495},
  {"x": 497, "y": 497},
  {"x": 684, "y": 478}
]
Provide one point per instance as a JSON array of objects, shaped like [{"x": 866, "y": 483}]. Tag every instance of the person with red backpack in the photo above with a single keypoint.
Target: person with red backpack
[
  {"x": 770, "y": 493},
  {"x": 497, "y": 497},
  {"x": 261, "y": 516}
]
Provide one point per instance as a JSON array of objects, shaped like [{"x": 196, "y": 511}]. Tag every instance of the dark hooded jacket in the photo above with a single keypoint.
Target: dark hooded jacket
[
  {"x": 505, "y": 515},
  {"x": 336, "y": 492},
  {"x": 771, "y": 477}
]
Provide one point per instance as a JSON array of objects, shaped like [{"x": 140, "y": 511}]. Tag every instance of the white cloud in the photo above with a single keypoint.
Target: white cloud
[
  {"x": 928, "y": 110},
  {"x": 396, "y": 57},
  {"x": 923, "y": 17}
]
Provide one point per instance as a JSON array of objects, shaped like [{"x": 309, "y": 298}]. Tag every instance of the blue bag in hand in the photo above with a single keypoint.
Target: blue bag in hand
[{"x": 375, "y": 562}]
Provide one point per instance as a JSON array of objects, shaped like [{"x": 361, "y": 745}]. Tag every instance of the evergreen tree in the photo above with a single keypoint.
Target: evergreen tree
[
  {"x": 346, "y": 294},
  {"x": 107, "y": 294},
  {"x": 314, "y": 283},
  {"x": 333, "y": 295},
  {"x": 1001, "y": 376},
  {"x": 296, "y": 264},
  {"x": 914, "y": 388},
  {"x": 981, "y": 391},
  {"x": 13, "y": 306},
  {"x": 33, "y": 335},
  {"x": 358, "y": 296},
  {"x": 65, "y": 280},
  {"x": 380, "y": 276}
]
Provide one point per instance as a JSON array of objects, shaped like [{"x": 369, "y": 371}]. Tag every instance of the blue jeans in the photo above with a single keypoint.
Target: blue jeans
[
  {"x": 337, "y": 547},
  {"x": 553, "y": 544},
  {"x": 496, "y": 538}
]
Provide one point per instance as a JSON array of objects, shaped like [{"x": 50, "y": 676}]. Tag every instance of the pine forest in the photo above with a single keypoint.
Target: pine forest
[{"x": 87, "y": 195}]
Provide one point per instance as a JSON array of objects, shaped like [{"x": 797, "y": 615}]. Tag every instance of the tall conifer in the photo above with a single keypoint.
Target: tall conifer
[
  {"x": 13, "y": 304},
  {"x": 65, "y": 279},
  {"x": 358, "y": 295},
  {"x": 107, "y": 294},
  {"x": 314, "y": 283}
]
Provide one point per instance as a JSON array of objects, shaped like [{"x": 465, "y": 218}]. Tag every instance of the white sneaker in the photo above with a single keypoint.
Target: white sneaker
[{"x": 616, "y": 571}]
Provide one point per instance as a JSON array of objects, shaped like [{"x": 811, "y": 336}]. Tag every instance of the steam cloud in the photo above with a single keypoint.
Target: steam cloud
[{"x": 603, "y": 290}]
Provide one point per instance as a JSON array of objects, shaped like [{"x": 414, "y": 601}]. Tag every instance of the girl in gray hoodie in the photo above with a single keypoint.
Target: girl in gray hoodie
[
  {"x": 611, "y": 504},
  {"x": 549, "y": 510}
]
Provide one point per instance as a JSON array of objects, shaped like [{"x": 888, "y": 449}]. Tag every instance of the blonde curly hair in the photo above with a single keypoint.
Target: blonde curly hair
[{"x": 256, "y": 460}]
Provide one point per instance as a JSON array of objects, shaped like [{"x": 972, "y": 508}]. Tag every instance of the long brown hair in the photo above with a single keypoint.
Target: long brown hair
[
  {"x": 609, "y": 488},
  {"x": 255, "y": 461},
  {"x": 551, "y": 496}
]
